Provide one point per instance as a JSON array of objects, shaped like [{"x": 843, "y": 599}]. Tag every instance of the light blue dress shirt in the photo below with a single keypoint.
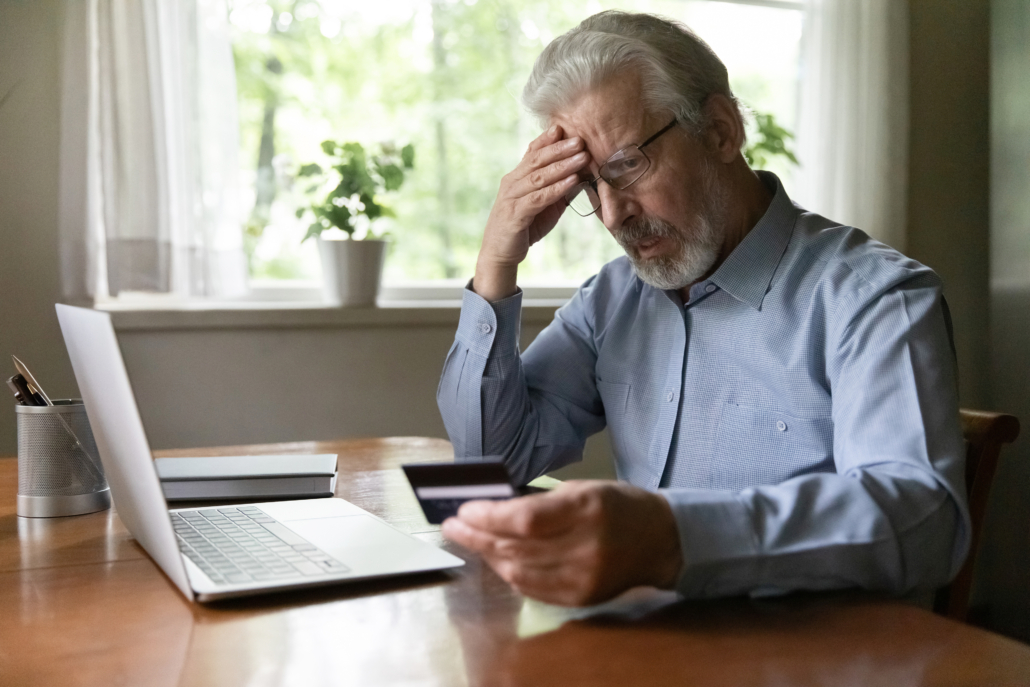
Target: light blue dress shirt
[{"x": 799, "y": 414}]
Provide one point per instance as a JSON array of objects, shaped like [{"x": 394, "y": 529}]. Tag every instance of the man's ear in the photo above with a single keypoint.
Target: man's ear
[{"x": 725, "y": 132}]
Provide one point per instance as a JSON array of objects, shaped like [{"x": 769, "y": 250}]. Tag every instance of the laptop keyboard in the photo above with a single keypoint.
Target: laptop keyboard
[{"x": 243, "y": 544}]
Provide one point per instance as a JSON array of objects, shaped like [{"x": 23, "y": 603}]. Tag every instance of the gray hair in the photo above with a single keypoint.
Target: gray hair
[{"x": 678, "y": 71}]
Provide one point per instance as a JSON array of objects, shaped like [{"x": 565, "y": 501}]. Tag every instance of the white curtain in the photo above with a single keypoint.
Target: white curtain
[
  {"x": 149, "y": 182},
  {"x": 853, "y": 122}
]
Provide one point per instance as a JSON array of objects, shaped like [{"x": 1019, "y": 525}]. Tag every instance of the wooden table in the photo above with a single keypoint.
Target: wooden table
[{"x": 81, "y": 604}]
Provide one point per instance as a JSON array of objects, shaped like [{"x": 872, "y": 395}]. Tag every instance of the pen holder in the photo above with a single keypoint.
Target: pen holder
[{"x": 59, "y": 469}]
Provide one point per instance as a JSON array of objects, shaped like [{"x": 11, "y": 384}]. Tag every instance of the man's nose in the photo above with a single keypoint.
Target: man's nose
[{"x": 617, "y": 207}]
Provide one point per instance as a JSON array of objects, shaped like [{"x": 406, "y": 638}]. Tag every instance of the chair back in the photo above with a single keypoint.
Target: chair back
[{"x": 985, "y": 433}]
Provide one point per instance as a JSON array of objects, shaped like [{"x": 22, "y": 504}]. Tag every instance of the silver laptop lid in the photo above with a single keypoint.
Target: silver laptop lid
[{"x": 121, "y": 440}]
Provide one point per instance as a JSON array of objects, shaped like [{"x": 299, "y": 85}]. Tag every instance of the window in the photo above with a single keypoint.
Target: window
[{"x": 444, "y": 75}]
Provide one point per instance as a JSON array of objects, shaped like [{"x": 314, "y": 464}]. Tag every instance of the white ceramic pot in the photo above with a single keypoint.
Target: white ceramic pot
[{"x": 351, "y": 271}]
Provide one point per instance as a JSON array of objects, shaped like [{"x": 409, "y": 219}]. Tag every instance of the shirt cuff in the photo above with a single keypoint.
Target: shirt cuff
[
  {"x": 484, "y": 327},
  {"x": 716, "y": 539}
]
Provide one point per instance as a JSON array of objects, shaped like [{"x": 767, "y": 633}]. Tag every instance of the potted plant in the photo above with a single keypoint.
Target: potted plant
[{"x": 348, "y": 203}]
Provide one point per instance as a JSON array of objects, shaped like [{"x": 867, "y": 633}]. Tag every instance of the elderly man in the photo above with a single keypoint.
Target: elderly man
[{"x": 779, "y": 389}]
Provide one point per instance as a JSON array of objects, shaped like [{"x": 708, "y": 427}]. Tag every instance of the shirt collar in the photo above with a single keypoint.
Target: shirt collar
[{"x": 748, "y": 271}]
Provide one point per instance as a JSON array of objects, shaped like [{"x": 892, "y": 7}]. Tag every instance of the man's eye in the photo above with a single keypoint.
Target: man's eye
[{"x": 620, "y": 167}]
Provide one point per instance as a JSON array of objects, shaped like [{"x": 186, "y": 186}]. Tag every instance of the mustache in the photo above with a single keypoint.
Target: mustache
[{"x": 643, "y": 228}]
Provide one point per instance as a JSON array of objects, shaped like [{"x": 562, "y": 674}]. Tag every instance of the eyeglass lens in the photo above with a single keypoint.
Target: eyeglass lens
[
  {"x": 583, "y": 199},
  {"x": 620, "y": 171},
  {"x": 625, "y": 167}
]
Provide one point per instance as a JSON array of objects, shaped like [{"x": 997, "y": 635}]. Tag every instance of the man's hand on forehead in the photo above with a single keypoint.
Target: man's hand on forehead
[{"x": 529, "y": 203}]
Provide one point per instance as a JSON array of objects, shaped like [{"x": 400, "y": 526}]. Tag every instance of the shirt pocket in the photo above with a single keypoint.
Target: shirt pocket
[{"x": 759, "y": 446}]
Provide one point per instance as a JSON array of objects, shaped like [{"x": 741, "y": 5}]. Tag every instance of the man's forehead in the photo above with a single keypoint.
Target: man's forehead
[
  {"x": 606, "y": 118},
  {"x": 597, "y": 127},
  {"x": 614, "y": 103}
]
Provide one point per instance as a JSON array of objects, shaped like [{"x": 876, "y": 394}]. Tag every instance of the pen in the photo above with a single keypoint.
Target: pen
[
  {"x": 33, "y": 384},
  {"x": 21, "y": 391}
]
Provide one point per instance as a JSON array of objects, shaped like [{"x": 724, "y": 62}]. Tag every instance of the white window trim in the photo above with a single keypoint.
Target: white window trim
[
  {"x": 272, "y": 294},
  {"x": 155, "y": 315},
  {"x": 438, "y": 290}
]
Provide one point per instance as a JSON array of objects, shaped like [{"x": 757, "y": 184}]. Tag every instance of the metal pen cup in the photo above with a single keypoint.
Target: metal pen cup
[{"x": 59, "y": 469}]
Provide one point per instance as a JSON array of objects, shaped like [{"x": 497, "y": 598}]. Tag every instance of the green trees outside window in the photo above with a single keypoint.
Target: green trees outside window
[{"x": 443, "y": 75}]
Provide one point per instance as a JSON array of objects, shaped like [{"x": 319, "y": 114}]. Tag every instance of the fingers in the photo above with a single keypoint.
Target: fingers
[
  {"x": 545, "y": 185},
  {"x": 559, "y": 585},
  {"x": 543, "y": 156},
  {"x": 546, "y": 165},
  {"x": 552, "y": 584},
  {"x": 539, "y": 515},
  {"x": 471, "y": 538},
  {"x": 563, "y": 571},
  {"x": 541, "y": 183},
  {"x": 552, "y": 135},
  {"x": 534, "y": 552}
]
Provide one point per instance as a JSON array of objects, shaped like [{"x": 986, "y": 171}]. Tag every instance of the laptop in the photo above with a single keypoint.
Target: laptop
[{"x": 219, "y": 552}]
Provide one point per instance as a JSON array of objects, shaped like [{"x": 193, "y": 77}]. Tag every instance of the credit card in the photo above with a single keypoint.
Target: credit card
[{"x": 441, "y": 488}]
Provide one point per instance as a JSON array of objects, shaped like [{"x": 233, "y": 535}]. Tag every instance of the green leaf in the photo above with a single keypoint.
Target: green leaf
[
  {"x": 354, "y": 151},
  {"x": 339, "y": 217},
  {"x": 393, "y": 176},
  {"x": 329, "y": 147},
  {"x": 310, "y": 169},
  {"x": 770, "y": 141},
  {"x": 313, "y": 231},
  {"x": 408, "y": 156},
  {"x": 373, "y": 210}
]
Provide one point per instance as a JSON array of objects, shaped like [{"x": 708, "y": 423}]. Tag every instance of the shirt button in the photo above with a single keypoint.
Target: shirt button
[
  {"x": 710, "y": 288},
  {"x": 781, "y": 425},
  {"x": 485, "y": 328},
  {"x": 670, "y": 396}
]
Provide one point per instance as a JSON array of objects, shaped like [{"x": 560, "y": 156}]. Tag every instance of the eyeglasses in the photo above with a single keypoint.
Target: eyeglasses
[{"x": 619, "y": 171}]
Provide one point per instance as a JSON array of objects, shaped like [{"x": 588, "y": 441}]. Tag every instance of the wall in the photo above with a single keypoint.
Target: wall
[
  {"x": 948, "y": 170},
  {"x": 1003, "y": 583},
  {"x": 30, "y": 34},
  {"x": 217, "y": 386}
]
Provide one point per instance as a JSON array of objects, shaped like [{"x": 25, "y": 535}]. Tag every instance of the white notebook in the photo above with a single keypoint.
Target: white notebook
[{"x": 244, "y": 477}]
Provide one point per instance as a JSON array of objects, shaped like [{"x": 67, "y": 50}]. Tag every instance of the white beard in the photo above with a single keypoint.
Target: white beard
[{"x": 697, "y": 248}]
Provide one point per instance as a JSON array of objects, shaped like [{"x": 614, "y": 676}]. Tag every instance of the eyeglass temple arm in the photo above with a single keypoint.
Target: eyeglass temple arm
[{"x": 664, "y": 129}]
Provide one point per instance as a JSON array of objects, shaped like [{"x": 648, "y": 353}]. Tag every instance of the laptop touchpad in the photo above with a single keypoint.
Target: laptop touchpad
[{"x": 366, "y": 545}]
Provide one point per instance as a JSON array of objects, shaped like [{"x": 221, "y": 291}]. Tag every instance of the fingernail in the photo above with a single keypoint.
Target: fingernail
[{"x": 553, "y": 130}]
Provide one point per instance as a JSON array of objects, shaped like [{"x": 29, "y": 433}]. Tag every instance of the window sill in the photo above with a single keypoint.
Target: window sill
[{"x": 303, "y": 315}]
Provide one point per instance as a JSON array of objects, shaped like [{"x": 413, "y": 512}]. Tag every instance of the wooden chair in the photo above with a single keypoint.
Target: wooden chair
[{"x": 985, "y": 433}]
